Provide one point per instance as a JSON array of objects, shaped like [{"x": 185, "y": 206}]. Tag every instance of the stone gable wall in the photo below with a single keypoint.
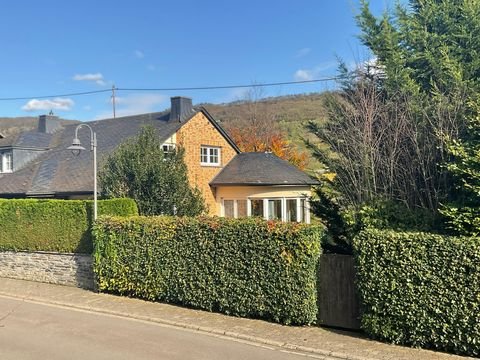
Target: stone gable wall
[{"x": 196, "y": 132}]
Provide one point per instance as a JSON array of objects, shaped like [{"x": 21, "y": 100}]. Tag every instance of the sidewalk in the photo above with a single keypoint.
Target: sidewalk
[{"x": 324, "y": 342}]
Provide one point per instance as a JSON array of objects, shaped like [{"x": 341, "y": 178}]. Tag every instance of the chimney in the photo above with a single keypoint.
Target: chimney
[
  {"x": 181, "y": 108},
  {"x": 48, "y": 123}
]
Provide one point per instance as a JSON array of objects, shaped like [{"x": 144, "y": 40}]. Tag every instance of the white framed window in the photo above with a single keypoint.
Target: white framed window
[
  {"x": 286, "y": 209},
  {"x": 210, "y": 155},
  {"x": 168, "y": 148},
  {"x": 6, "y": 162},
  {"x": 234, "y": 208}
]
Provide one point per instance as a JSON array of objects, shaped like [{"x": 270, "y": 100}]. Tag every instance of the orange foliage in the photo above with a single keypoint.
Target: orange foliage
[{"x": 248, "y": 141}]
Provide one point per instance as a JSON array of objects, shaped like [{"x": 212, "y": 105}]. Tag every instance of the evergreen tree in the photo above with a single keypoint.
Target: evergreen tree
[
  {"x": 426, "y": 85},
  {"x": 158, "y": 182},
  {"x": 463, "y": 211}
]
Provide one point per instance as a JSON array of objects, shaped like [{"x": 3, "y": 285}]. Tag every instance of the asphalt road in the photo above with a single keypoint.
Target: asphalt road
[{"x": 37, "y": 331}]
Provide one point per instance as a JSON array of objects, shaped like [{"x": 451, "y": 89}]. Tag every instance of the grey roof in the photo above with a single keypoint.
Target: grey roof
[
  {"x": 58, "y": 172},
  {"x": 258, "y": 168}
]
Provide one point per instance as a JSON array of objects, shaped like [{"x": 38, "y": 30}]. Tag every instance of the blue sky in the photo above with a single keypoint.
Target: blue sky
[{"x": 60, "y": 47}]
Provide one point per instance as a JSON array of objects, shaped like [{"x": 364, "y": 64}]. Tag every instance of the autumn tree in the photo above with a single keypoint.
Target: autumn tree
[
  {"x": 157, "y": 181},
  {"x": 258, "y": 131}
]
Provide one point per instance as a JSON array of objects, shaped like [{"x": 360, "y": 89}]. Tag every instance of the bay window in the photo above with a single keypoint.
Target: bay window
[{"x": 287, "y": 209}]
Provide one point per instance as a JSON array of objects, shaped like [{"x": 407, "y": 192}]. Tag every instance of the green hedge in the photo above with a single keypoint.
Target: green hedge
[
  {"x": 246, "y": 267},
  {"x": 54, "y": 225},
  {"x": 420, "y": 289}
]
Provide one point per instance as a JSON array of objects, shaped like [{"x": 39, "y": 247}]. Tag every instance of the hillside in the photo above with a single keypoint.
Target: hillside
[
  {"x": 9, "y": 126},
  {"x": 290, "y": 112}
]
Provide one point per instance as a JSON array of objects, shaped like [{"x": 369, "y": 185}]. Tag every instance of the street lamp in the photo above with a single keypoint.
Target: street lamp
[{"x": 77, "y": 148}]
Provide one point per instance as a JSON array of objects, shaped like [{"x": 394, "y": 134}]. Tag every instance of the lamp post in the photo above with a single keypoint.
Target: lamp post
[{"x": 76, "y": 148}]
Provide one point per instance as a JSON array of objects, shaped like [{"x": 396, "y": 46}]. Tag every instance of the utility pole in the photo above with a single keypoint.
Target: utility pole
[{"x": 113, "y": 99}]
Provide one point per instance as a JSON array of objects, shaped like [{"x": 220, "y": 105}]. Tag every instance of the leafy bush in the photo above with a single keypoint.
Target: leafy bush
[
  {"x": 393, "y": 216},
  {"x": 344, "y": 222},
  {"x": 244, "y": 267},
  {"x": 140, "y": 169},
  {"x": 54, "y": 225},
  {"x": 420, "y": 289}
]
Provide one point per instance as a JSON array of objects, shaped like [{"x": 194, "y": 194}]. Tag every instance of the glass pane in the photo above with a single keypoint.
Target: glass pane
[
  {"x": 257, "y": 208},
  {"x": 241, "y": 208},
  {"x": 275, "y": 209},
  {"x": 203, "y": 155},
  {"x": 9, "y": 163},
  {"x": 291, "y": 209},
  {"x": 302, "y": 210},
  {"x": 228, "y": 208}
]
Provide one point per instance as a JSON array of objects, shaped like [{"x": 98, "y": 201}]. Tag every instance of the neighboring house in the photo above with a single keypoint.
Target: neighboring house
[{"x": 37, "y": 163}]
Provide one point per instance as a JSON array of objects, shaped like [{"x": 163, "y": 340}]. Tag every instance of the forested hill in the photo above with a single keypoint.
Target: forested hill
[{"x": 292, "y": 108}]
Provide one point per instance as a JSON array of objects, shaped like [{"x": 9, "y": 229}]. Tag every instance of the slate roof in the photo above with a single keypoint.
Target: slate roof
[
  {"x": 258, "y": 168},
  {"x": 58, "y": 172}
]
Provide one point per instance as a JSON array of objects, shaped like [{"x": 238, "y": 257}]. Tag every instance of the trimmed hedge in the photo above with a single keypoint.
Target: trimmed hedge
[
  {"x": 420, "y": 289},
  {"x": 244, "y": 267},
  {"x": 54, "y": 225}
]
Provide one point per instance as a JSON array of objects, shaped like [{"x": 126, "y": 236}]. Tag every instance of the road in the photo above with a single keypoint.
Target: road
[{"x": 37, "y": 331}]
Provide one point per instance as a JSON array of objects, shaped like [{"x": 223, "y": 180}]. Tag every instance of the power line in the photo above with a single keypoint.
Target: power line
[
  {"x": 53, "y": 96},
  {"x": 333, "y": 78},
  {"x": 234, "y": 86}
]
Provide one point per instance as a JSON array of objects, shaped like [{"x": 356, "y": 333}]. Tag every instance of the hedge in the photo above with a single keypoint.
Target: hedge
[
  {"x": 420, "y": 289},
  {"x": 54, "y": 225},
  {"x": 245, "y": 267}
]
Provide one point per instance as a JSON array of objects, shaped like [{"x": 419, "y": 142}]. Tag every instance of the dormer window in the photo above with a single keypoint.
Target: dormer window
[
  {"x": 6, "y": 163},
  {"x": 210, "y": 156}
]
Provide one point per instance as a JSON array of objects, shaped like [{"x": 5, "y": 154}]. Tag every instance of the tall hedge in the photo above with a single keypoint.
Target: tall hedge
[
  {"x": 246, "y": 267},
  {"x": 54, "y": 225},
  {"x": 420, "y": 289}
]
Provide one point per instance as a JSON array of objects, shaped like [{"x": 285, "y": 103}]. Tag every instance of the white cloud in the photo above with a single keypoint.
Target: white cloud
[
  {"x": 302, "y": 52},
  {"x": 135, "y": 104},
  {"x": 139, "y": 54},
  {"x": 304, "y": 75},
  {"x": 96, "y": 78},
  {"x": 313, "y": 73},
  {"x": 49, "y": 104}
]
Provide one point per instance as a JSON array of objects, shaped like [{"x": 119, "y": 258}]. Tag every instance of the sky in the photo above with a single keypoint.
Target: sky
[{"x": 55, "y": 48}]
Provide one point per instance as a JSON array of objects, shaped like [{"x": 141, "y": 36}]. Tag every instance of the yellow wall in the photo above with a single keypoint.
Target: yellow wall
[
  {"x": 196, "y": 132},
  {"x": 260, "y": 192},
  {"x": 242, "y": 192}
]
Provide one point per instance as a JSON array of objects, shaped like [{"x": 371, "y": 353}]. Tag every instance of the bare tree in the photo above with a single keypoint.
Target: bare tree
[{"x": 384, "y": 147}]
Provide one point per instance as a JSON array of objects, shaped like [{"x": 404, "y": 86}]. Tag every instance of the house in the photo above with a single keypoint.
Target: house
[{"x": 37, "y": 164}]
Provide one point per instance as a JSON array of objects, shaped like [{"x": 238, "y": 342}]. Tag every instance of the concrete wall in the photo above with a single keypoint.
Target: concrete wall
[
  {"x": 338, "y": 302},
  {"x": 64, "y": 269}
]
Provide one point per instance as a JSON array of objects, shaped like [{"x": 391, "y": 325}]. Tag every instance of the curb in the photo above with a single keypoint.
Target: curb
[{"x": 203, "y": 329}]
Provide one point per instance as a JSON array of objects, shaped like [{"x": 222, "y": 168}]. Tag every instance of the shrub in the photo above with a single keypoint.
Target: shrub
[
  {"x": 54, "y": 225},
  {"x": 244, "y": 267},
  {"x": 420, "y": 289}
]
